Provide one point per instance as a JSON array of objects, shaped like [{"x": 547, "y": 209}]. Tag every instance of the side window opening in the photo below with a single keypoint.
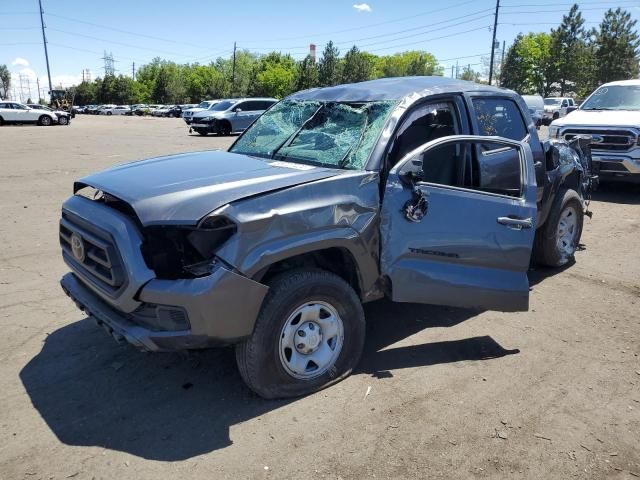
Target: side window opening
[
  {"x": 424, "y": 124},
  {"x": 500, "y": 117},
  {"x": 478, "y": 166}
]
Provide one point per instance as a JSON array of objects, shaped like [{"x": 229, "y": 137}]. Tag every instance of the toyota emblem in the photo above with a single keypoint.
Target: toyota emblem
[{"x": 77, "y": 247}]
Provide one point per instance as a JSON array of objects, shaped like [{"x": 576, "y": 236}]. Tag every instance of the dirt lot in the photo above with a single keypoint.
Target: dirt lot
[{"x": 547, "y": 394}]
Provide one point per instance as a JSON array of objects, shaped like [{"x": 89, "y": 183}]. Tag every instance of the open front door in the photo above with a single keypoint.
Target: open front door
[{"x": 458, "y": 222}]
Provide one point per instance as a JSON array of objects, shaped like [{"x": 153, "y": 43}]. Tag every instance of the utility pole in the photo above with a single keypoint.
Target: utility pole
[
  {"x": 504, "y": 43},
  {"x": 44, "y": 41},
  {"x": 457, "y": 70},
  {"x": 233, "y": 71},
  {"x": 38, "y": 83},
  {"x": 133, "y": 70},
  {"x": 493, "y": 41},
  {"x": 451, "y": 71}
]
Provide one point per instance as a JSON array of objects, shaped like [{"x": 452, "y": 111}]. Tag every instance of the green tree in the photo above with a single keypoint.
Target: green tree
[
  {"x": 529, "y": 66},
  {"x": 470, "y": 74},
  {"x": 169, "y": 85},
  {"x": 85, "y": 94},
  {"x": 357, "y": 66},
  {"x": 568, "y": 49},
  {"x": 5, "y": 81},
  {"x": 407, "y": 63},
  {"x": 274, "y": 75},
  {"x": 329, "y": 66},
  {"x": 306, "y": 74},
  {"x": 616, "y": 47}
]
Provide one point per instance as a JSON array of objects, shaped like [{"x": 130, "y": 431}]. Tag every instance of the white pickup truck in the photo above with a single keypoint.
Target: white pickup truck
[
  {"x": 611, "y": 115},
  {"x": 557, "y": 107}
]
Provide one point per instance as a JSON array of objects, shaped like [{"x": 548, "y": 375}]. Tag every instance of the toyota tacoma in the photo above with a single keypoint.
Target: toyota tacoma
[{"x": 420, "y": 189}]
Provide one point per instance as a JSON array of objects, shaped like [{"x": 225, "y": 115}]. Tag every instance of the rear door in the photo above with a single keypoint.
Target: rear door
[
  {"x": 247, "y": 114},
  {"x": 458, "y": 222}
]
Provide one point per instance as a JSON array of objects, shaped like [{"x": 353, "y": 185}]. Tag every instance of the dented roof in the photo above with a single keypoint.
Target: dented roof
[{"x": 395, "y": 88}]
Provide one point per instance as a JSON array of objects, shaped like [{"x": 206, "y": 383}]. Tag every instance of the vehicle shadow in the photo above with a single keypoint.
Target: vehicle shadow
[
  {"x": 169, "y": 407},
  {"x": 622, "y": 193}
]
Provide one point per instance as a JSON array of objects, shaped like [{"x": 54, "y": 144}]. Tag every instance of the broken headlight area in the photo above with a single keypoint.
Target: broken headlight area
[{"x": 174, "y": 252}]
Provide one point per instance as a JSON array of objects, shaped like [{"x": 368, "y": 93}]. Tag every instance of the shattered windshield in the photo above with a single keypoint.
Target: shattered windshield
[
  {"x": 330, "y": 134},
  {"x": 616, "y": 97}
]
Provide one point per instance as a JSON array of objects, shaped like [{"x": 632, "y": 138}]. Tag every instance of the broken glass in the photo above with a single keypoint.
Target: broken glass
[{"x": 339, "y": 135}]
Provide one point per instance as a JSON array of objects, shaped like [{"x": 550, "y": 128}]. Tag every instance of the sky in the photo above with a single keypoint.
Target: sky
[{"x": 187, "y": 31}]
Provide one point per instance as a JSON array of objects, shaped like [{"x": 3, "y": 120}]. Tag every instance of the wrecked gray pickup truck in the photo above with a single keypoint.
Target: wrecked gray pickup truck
[{"x": 422, "y": 189}]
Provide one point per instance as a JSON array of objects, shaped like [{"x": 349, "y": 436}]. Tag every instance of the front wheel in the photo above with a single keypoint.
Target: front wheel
[
  {"x": 63, "y": 121},
  {"x": 309, "y": 334},
  {"x": 558, "y": 239},
  {"x": 204, "y": 133}
]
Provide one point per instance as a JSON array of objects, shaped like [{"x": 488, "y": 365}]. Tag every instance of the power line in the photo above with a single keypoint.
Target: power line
[
  {"x": 568, "y": 4},
  {"x": 128, "y": 32},
  {"x": 421, "y": 14},
  {"x": 119, "y": 43},
  {"x": 554, "y": 11}
]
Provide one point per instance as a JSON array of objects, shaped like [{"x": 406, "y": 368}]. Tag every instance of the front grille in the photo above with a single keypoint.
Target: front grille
[
  {"x": 92, "y": 253},
  {"x": 608, "y": 140},
  {"x": 612, "y": 167}
]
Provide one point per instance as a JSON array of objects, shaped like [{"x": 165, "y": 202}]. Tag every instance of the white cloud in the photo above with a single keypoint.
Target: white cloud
[
  {"x": 64, "y": 80},
  {"x": 23, "y": 62},
  {"x": 362, "y": 7}
]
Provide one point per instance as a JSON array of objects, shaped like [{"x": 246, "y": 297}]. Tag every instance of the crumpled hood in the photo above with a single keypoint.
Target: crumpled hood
[
  {"x": 181, "y": 189},
  {"x": 601, "y": 118}
]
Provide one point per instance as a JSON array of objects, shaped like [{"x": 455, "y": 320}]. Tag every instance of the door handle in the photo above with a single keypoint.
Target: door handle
[{"x": 515, "y": 223}]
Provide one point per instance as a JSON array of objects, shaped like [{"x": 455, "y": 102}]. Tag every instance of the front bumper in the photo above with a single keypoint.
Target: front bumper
[
  {"x": 220, "y": 308},
  {"x": 616, "y": 167}
]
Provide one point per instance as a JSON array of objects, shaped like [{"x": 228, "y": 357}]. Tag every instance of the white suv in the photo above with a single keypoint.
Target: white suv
[{"x": 13, "y": 112}]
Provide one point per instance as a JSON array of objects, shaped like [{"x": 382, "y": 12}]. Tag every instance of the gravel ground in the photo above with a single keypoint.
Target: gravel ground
[{"x": 546, "y": 394}]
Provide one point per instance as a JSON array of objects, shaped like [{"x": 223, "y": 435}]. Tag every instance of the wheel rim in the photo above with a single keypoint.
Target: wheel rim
[
  {"x": 63, "y": 120},
  {"x": 311, "y": 340},
  {"x": 46, "y": 121},
  {"x": 567, "y": 231}
]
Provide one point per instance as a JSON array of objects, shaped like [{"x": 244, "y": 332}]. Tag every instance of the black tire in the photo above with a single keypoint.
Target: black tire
[
  {"x": 63, "y": 120},
  {"x": 204, "y": 133},
  {"x": 1, "y": 121},
  {"x": 223, "y": 128},
  {"x": 109, "y": 113},
  {"x": 556, "y": 115},
  {"x": 547, "y": 249},
  {"x": 45, "y": 121},
  {"x": 258, "y": 358}
]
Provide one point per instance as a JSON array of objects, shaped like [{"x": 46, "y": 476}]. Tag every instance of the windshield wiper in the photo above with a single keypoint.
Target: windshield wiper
[
  {"x": 343, "y": 160},
  {"x": 289, "y": 140}
]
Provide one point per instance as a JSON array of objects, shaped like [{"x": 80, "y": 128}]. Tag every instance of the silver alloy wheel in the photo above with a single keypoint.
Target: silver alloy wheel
[
  {"x": 45, "y": 121},
  {"x": 567, "y": 232},
  {"x": 63, "y": 120},
  {"x": 311, "y": 340}
]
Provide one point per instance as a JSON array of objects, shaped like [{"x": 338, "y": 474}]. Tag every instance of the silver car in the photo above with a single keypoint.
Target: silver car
[{"x": 231, "y": 115}]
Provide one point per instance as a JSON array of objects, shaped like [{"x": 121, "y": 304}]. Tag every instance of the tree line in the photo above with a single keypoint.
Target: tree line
[
  {"x": 571, "y": 59},
  {"x": 271, "y": 75}
]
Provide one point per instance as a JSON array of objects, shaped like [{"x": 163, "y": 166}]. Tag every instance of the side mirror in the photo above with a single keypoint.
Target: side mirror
[{"x": 410, "y": 172}]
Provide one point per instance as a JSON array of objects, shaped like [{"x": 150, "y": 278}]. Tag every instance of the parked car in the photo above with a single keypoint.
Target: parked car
[
  {"x": 187, "y": 114},
  {"x": 103, "y": 109},
  {"x": 140, "y": 109},
  {"x": 64, "y": 118},
  {"x": 175, "y": 111},
  {"x": 229, "y": 116},
  {"x": 115, "y": 110},
  {"x": 556, "y": 107},
  {"x": 92, "y": 109},
  {"x": 14, "y": 112},
  {"x": 535, "y": 103},
  {"x": 334, "y": 197},
  {"x": 611, "y": 117}
]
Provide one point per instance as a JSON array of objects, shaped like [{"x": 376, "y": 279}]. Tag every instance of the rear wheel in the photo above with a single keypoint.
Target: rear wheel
[
  {"x": 309, "y": 335},
  {"x": 558, "y": 239},
  {"x": 44, "y": 120}
]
